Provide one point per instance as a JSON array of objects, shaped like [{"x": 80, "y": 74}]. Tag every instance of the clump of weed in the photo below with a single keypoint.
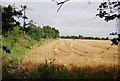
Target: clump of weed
[{"x": 49, "y": 71}]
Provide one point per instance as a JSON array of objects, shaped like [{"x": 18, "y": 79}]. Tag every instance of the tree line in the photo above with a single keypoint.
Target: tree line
[
  {"x": 36, "y": 32},
  {"x": 83, "y": 37}
]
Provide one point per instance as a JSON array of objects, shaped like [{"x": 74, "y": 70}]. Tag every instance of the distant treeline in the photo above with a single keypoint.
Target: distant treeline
[{"x": 83, "y": 37}]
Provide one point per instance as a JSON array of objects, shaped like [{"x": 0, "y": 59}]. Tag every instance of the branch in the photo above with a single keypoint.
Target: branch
[{"x": 60, "y": 3}]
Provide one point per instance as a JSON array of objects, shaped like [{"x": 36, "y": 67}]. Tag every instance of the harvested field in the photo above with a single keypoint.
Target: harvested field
[{"x": 92, "y": 55}]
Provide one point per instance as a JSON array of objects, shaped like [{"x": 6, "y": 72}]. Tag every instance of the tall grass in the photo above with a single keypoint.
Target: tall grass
[
  {"x": 50, "y": 70},
  {"x": 54, "y": 71}
]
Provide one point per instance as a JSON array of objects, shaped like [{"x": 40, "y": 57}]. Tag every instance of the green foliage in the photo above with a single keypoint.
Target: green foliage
[
  {"x": 18, "y": 43},
  {"x": 33, "y": 31},
  {"x": 14, "y": 35},
  {"x": 36, "y": 32},
  {"x": 50, "y": 32}
]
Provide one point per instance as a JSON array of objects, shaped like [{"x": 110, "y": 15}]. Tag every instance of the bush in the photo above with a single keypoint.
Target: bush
[{"x": 18, "y": 43}]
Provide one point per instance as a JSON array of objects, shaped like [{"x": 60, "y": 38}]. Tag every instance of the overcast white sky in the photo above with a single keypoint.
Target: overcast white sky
[{"x": 74, "y": 18}]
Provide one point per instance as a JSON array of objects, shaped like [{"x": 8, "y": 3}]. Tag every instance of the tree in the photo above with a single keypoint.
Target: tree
[
  {"x": 8, "y": 21},
  {"x": 37, "y": 32},
  {"x": 111, "y": 14},
  {"x": 50, "y": 32},
  {"x": 34, "y": 31},
  {"x": 24, "y": 16},
  {"x": 107, "y": 38},
  {"x": 110, "y": 11}
]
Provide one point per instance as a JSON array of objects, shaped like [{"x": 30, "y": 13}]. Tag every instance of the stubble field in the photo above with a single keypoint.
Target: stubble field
[{"x": 93, "y": 56}]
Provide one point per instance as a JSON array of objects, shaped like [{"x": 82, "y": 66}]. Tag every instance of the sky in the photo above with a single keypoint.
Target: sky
[{"x": 74, "y": 18}]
